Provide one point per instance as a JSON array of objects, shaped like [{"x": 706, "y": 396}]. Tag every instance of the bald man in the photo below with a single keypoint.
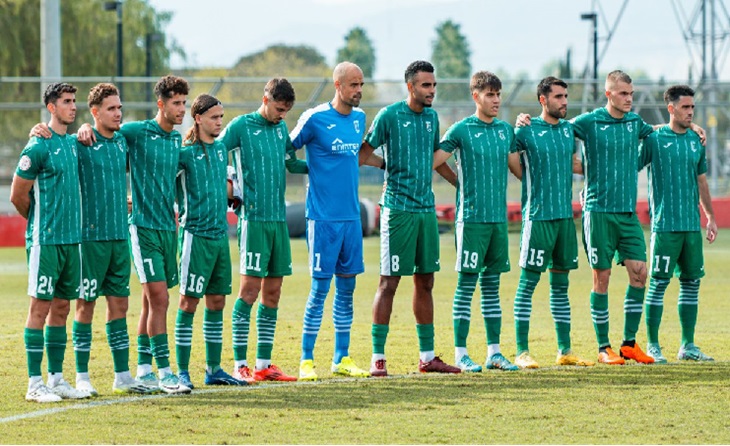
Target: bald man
[{"x": 332, "y": 134}]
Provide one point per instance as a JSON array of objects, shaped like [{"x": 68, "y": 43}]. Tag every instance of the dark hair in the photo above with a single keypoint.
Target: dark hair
[
  {"x": 99, "y": 92},
  {"x": 170, "y": 85},
  {"x": 674, "y": 92},
  {"x": 201, "y": 104},
  {"x": 54, "y": 91},
  {"x": 280, "y": 90},
  {"x": 545, "y": 87},
  {"x": 417, "y": 67},
  {"x": 481, "y": 80}
]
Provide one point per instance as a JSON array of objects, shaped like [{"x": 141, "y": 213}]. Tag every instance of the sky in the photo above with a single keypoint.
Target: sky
[{"x": 512, "y": 36}]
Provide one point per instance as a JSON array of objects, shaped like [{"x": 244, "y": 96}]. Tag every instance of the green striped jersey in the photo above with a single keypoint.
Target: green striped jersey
[
  {"x": 675, "y": 160},
  {"x": 481, "y": 152},
  {"x": 546, "y": 152},
  {"x": 103, "y": 178},
  {"x": 153, "y": 159},
  {"x": 202, "y": 198},
  {"x": 54, "y": 217},
  {"x": 408, "y": 140},
  {"x": 261, "y": 150},
  {"x": 610, "y": 158}
]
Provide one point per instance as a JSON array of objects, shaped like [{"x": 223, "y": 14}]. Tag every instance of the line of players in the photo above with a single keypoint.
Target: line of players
[{"x": 65, "y": 227}]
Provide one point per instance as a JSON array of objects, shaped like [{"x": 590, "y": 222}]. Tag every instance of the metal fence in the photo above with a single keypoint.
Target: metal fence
[{"x": 20, "y": 108}]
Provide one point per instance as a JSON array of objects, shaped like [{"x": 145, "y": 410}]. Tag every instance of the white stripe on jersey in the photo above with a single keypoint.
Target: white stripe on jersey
[
  {"x": 385, "y": 268},
  {"x": 527, "y": 178},
  {"x": 185, "y": 261},
  {"x": 34, "y": 261},
  {"x": 36, "y": 213},
  {"x": 460, "y": 179},
  {"x": 459, "y": 243},
  {"x": 184, "y": 185},
  {"x": 525, "y": 242},
  {"x": 302, "y": 121},
  {"x": 242, "y": 242},
  {"x": 587, "y": 235},
  {"x": 82, "y": 291},
  {"x": 310, "y": 243},
  {"x": 137, "y": 254}
]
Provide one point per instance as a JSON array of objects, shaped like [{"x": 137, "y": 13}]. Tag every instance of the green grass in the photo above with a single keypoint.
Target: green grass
[{"x": 677, "y": 403}]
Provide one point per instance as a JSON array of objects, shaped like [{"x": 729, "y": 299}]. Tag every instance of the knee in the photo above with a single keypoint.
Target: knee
[
  {"x": 215, "y": 302},
  {"x": 388, "y": 286},
  {"x": 188, "y": 304}
]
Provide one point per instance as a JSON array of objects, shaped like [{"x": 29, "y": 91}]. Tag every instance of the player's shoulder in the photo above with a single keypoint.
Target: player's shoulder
[
  {"x": 315, "y": 113},
  {"x": 498, "y": 123}
]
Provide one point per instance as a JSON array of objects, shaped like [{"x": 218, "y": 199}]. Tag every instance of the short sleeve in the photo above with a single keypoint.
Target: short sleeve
[
  {"x": 32, "y": 158},
  {"x": 302, "y": 133},
  {"x": 646, "y": 130},
  {"x": 645, "y": 151},
  {"x": 378, "y": 133},
  {"x": 450, "y": 142},
  {"x": 580, "y": 125},
  {"x": 229, "y": 137}
]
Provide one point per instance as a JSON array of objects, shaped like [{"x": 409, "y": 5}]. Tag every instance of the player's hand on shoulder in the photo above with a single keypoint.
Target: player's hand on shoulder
[
  {"x": 40, "y": 130},
  {"x": 523, "y": 120},
  {"x": 85, "y": 135}
]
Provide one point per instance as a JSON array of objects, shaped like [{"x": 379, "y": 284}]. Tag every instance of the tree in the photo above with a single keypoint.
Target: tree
[
  {"x": 451, "y": 58},
  {"x": 359, "y": 50}
]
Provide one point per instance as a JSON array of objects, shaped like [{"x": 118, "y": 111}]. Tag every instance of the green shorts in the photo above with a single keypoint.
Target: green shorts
[
  {"x": 154, "y": 254},
  {"x": 612, "y": 235},
  {"x": 205, "y": 265},
  {"x": 264, "y": 248},
  {"x": 409, "y": 243},
  {"x": 678, "y": 253},
  {"x": 106, "y": 269},
  {"x": 549, "y": 244},
  {"x": 482, "y": 247},
  {"x": 54, "y": 271}
]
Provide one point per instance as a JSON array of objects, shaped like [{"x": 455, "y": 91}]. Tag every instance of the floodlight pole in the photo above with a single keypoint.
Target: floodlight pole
[
  {"x": 117, "y": 6},
  {"x": 593, "y": 17}
]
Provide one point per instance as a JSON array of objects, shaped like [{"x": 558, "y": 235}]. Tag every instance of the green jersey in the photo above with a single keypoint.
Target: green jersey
[
  {"x": 675, "y": 160},
  {"x": 408, "y": 140},
  {"x": 103, "y": 178},
  {"x": 481, "y": 150},
  {"x": 610, "y": 157},
  {"x": 153, "y": 159},
  {"x": 54, "y": 217},
  {"x": 202, "y": 198},
  {"x": 546, "y": 153},
  {"x": 261, "y": 152}
]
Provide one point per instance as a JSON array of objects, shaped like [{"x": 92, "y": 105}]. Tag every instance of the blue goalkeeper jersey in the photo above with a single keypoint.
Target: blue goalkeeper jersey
[{"x": 332, "y": 143}]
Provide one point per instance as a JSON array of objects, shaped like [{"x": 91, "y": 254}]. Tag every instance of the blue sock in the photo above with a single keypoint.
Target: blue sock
[
  {"x": 342, "y": 316},
  {"x": 313, "y": 315}
]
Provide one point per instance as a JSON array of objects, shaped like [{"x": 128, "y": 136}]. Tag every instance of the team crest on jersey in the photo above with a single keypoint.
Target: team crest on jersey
[
  {"x": 220, "y": 155},
  {"x": 278, "y": 132},
  {"x": 692, "y": 146},
  {"x": 565, "y": 132},
  {"x": 24, "y": 163},
  {"x": 501, "y": 135},
  {"x": 73, "y": 150},
  {"x": 121, "y": 147},
  {"x": 629, "y": 127},
  {"x": 357, "y": 126},
  {"x": 428, "y": 126}
]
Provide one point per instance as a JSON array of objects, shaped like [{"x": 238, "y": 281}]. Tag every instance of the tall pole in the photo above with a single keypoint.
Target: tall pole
[
  {"x": 593, "y": 17},
  {"x": 120, "y": 47},
  {"x": 50, "y": 46},
  {"x": 712, "y": 121}
]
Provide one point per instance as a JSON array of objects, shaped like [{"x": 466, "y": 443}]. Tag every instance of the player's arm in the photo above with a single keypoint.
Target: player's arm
[
  {"x": 292, "y": 163},
  {"x": 523, "y": 120},
  {"x": 367, "y": 156},
  {"x": 706, "y": 202},
  {"x": 85, "y": 135},
  {"x": 20, "y": 195},
  {"x": 577, "y": 165},
  {"x": 513, "y": 162},
  {"x": 442, "y": 167}
]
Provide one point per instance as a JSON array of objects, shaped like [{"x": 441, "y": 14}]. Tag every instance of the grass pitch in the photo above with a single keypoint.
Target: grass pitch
[{"x": 676, "y": 403}]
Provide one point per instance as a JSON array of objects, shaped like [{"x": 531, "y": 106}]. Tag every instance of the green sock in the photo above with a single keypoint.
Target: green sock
[
  {"x": 118, "y": 338},
  {"x": 213, "y": 335},
  {"x": 33, "y": 350},
  {"x": 81, "y": 337},
  {"x": 183, "y": 338},
  {"x": 144, "y": 352},
  {"x": 265, "y": 327},
  {"x": 654, "y": 307},
  {"x": 56, "y": 340},
  {"x": 560, "y": 309},
  {"x": 160, "y": 350},
  {"x": 599, "y": 314},
  {"x": 689, "y": 291},
  {"x": 461, "y": 309},
  {"x": 240, "y": 324},
  {"x": 633, "y": 307},
  {"x": 523, "y": 308},
  {"x": 425, "y": 337},
  {"x": 491, "y": 311},
  {"x": 379, "y": 333}
]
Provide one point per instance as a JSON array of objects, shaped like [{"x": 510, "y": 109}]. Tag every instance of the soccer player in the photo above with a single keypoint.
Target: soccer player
[
  {"x": 548, "y": 240},
  {"x": 205, "y": 258},
  {"x": 332, "y": 133},
  {"x": 408, "y": 131},
  {"x": 484, "y": 147},
  {"x": 677, "y": 181},
  {"x": 262, "y": 150},
  {"x": 104, "y": 231},
  {"x": 45, "y": 191}
]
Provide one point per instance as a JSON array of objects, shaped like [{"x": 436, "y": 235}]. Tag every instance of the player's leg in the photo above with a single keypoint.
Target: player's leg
[
  {"x": 600, "y": 241},
  {"x": 277, "y": 265},
  {"x": 662, "y": 251},
  {"x": 691, "y": 269},
  {"x": 349, "y": 264},
  {"x": 144, "y": 351},
  {"x": 470, "y": 249},
  {"x": 632, "y": 254}
]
